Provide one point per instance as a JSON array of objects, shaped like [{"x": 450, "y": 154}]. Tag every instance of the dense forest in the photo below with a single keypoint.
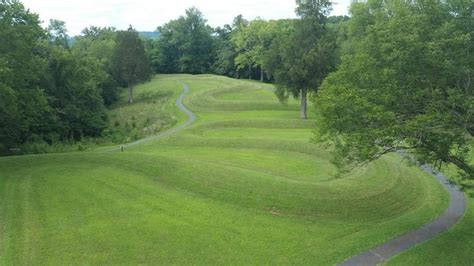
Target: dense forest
[{"x": 392, "y": 76}]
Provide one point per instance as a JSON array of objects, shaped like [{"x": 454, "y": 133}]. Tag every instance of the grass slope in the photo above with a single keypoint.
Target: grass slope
[
  {"x": 153, "y": 111},
  {"x": 243, "y": 185}
]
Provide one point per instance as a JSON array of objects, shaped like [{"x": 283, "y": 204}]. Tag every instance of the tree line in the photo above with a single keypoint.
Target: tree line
[{"x": 295, "y": 54}]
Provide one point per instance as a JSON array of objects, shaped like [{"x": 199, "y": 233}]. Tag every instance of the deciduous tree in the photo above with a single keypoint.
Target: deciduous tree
[
  {"x": 129, "y": 61},
  {"x": 405, "y": 82},
  {"x": 185, "y": 45}
]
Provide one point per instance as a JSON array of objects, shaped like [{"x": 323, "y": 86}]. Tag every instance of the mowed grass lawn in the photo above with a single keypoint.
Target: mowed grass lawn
[{"x": 243, "y": 185}]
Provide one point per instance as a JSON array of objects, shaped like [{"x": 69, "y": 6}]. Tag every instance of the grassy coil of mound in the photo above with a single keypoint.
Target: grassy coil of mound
[{"x": 243, "y": 185}]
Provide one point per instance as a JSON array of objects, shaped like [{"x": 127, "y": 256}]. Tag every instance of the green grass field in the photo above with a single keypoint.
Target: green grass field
[{"x": 243, "y": 185}]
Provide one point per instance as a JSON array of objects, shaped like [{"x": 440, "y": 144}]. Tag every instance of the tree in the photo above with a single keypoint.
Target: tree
[
  {"x": 129, "y": 62},
  {"x": 47, "y": 92},
  {"x": 197, "y": 50},
  {"x": 225, "y": 52},
  {"x": 73, "y": 90},
  {"x": 185, "y": 45},
  {"x": 243, "y": 43},
  {"x": 304, "y": 56},
  {"x": 251, "y": 42},
  {"x": 404, "y": 83},
  {"x": 239, "y": 24},
  {"x": 25, "y": 110},
  {"x": 98, "y": 44},
  {"x": 9, "y": 117}
]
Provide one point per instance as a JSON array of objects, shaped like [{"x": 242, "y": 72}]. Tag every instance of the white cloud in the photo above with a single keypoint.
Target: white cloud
[{"x": 146, "y": 15}]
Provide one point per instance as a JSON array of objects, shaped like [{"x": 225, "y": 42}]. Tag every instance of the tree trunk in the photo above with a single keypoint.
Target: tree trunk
[
  {"x": 237, "y": 74},
  {"x": 304, "y": 104},
  {"x": 250, "y": 72},
  {"x": 261, "y": 74},
  {"x": 130, "y": 92}
]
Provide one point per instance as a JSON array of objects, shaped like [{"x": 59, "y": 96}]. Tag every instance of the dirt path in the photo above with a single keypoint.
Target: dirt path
[{"x": 455, "y": 211}]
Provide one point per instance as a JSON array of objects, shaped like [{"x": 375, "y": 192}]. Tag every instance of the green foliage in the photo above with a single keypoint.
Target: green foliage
[
  {"x": 129, "y": 62},
  {"x": 39, "y": 146},
  {"x": 225, "y": 52},
  {"x": 26, "y": 108},
  {"x": 304, "y": 53},
  {"x": 98, "y": 44},
  {"x": 185, "y": 45},
  {"x": 47, "y": 93},
  {"x": 74, "y": 94},
  {"x": 9, "y": 116},
  {"x": 404, "y": 83},
  {"x": 251, "y": 43}
]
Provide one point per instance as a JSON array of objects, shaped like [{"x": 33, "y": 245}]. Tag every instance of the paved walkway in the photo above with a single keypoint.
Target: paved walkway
[
  {"x": 171, "y": 131},
  {"x": 451, "y": 216}
]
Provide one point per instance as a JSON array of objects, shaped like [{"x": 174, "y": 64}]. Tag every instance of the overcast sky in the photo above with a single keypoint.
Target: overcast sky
[{"x": 146, "y": 15}]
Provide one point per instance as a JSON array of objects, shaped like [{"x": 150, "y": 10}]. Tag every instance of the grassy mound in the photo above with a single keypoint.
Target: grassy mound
[{"x": 242, "y": 185}]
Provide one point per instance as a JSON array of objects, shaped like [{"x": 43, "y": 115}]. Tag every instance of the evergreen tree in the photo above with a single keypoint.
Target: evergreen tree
[{"x": 305, "y": 56}]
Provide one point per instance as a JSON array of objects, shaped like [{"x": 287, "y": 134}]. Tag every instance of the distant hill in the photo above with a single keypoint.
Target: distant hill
[
  {"x": 70, "y": 40},
  {"x": 149, "y": 34},
  {"x": 144, "y": 34}
]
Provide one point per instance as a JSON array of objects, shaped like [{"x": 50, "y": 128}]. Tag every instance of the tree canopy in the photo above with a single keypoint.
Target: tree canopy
[
  {"x": 47, "y": 93},
  {"x": 405, "y": 83},
  {"x": 129, "y": 61},
  {"x": 304, "y": 55},
  {"x": 98, "y": 45},
  {"x": 185, "y": 45}
]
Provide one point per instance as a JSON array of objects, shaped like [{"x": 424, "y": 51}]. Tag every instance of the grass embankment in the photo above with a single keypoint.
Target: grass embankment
[{"x": 242, "y": 185}]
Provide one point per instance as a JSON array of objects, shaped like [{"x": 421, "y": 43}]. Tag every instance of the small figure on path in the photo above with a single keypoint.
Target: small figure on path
[{"x": 122, "y": 148}]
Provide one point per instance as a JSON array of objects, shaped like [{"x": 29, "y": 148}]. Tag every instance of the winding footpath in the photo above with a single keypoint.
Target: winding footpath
[
  {"x": 171, "y": 131},
  {"x": 454, "y": 213},
  {"x": 378, "y": 254}
]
